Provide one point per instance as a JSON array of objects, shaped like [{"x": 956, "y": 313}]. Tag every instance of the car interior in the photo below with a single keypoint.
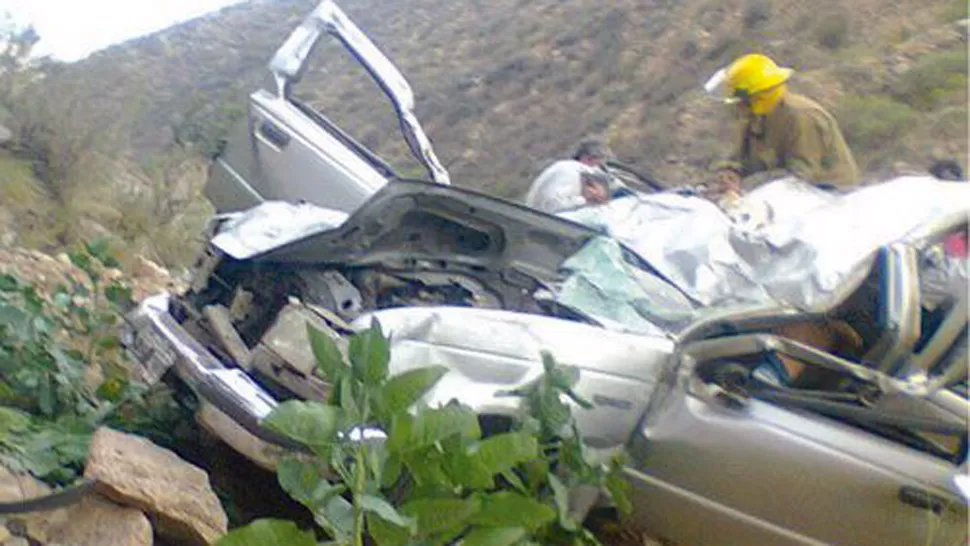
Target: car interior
[{"x": 849, "y": 362}]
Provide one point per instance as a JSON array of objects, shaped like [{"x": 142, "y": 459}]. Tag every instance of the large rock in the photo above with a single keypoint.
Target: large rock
[
  {"x": 96, "y": 521},
  {"x": 135, "y": 472},
  {"x": 17, "y": 487}
]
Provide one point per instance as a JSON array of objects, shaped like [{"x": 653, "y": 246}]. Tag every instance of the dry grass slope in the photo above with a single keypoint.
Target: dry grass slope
[{"x": 507, "y": 85}]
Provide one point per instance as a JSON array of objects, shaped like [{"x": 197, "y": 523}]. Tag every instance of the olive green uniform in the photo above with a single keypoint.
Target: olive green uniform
[{"x": 800, "y": 137}]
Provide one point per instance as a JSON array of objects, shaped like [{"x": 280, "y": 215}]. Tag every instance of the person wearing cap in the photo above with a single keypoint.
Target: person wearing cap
[
  {"x": 780, "y": 130},
  {"x": 593, "y": 152},
  {"x": 573, "y": 183}
]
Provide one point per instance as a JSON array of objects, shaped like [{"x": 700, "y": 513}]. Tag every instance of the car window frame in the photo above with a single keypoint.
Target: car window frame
[
  {"x": 290, "y": 62},
  {"x": 702, "y": 353}
]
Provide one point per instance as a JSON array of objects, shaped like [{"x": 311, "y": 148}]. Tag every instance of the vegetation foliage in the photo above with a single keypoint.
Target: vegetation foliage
[
  {"x": 936, "y": 80},
  {"x": 62, "y": 370},
  {"x": 434, "y": 478},
  {"x": 874, "y": 121},
  {"x": 66, "y": 179}
]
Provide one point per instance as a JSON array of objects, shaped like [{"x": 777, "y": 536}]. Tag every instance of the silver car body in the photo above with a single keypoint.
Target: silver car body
[
  {"x": 694, "y": 457},
  {"x": 709, "y": 466}
]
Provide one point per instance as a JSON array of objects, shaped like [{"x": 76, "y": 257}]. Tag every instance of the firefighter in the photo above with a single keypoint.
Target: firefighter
[{"x": 780, "y": 130}]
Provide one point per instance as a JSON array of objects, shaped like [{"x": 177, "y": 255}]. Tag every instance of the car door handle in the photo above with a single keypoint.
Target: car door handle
[
  {"x": 920, "y": 498},
  {"x": 273, "y": 134}
]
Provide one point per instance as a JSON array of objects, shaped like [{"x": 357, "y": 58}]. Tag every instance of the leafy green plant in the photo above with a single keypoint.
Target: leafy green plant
[
  {"x": 52, "y": 450},
  {"x": 567, "y": 464},
  {"x": 62, "y": 371},
  {"x": 47, "y": 345},
  {"x": 432, "y": 478},
  {"x": 91, "y": 311}
]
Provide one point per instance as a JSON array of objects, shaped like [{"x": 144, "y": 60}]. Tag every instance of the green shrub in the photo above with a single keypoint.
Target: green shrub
[
  {"x": 949, "y": 124},
  {"x": 832, "y": 31},
  {"x": 872, "y": 122},
  {"x": 936, "y": 79},
  {"x": 63, "y": 372},
  {"x": 50, "y": 401},
  {"x": 757, "y": 12},
  {"x": 955, "y": 10},
  {"x": 17, "y": 183},
  {"x": 435, "y": 479}
]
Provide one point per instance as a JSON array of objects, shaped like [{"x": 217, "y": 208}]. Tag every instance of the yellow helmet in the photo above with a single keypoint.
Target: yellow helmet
[{"x": 753, "y": 74}]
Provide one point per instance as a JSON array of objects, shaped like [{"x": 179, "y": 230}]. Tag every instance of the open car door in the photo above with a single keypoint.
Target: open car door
[{"x": 287, "y": 150}]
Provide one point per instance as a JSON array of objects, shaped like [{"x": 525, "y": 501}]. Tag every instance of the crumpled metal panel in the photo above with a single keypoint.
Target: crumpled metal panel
[
  {"x": 489, "y": 351},
  {"x": 808, "y": 244},
  {"x": 272, "y": 224}
]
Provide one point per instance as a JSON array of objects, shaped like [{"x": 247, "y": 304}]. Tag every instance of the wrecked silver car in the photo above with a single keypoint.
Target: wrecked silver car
[{"x": 770, "y": 384}]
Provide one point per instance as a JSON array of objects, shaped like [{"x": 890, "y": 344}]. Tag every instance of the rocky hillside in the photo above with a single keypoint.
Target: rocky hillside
[
  {"x": 117, "y": 144},
  {"x": 505, "y": 85}
]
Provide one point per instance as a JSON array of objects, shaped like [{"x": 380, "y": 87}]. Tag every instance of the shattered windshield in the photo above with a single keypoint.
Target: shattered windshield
[{"x": 602, "y": 283}]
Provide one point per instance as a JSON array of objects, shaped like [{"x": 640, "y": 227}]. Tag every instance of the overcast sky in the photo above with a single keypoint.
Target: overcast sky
[{"x": 72, "y": 29}]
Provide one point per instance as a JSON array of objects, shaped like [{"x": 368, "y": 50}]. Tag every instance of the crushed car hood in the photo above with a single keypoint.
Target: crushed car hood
[
  {"x": 791, "y": 245},
  {"x": 410, "y": 223}
]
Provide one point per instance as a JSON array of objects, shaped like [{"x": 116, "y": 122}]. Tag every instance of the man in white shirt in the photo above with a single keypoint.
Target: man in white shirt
[{"x": 572, "y": 183}]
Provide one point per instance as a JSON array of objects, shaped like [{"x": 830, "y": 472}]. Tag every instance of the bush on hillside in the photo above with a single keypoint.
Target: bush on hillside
[
  {"x": 936, "y": 79},
  {"x": 874, "y": 122},
  {"x": 757, "y": 12},
  {"x": 63, "y": 371},
  {"x": 833, "y": 31}
]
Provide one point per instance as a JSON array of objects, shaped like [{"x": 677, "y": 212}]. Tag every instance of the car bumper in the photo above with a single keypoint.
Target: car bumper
[{"x": 158, "y": 344}]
